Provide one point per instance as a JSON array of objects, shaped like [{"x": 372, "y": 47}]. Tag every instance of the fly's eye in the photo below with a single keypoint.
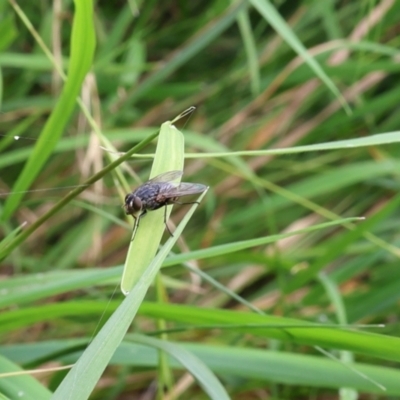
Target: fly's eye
[{"x": 135, "y": 203}]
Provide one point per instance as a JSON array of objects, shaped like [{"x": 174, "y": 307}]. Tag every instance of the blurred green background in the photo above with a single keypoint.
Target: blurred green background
[{"x": 269, "y": 80}]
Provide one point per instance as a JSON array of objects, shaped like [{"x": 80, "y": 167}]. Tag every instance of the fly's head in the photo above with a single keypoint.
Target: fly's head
[{"x": 133, "y": 205}]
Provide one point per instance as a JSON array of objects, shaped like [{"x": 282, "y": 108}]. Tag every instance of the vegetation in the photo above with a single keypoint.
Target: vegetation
[{"x": 283, "y": 283}]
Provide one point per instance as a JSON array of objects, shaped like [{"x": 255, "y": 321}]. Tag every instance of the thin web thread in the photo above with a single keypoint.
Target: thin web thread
[{"x": 2, "y": 194}]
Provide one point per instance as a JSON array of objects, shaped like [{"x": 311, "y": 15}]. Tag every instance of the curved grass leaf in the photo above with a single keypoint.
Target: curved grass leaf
[
  {"x": 269, "y": 12},
  {"x": 204, "y": 376},
  {"x": 83, "y": 377},
  {"x": 246, "y": 363},
  {"x": 82, "y": 51},
  {"x": 146, "y": 239},
  {"x": 380, "y": 346},
  {"x": 20, "y": 386},
  {"x": 71, "y": 195}
]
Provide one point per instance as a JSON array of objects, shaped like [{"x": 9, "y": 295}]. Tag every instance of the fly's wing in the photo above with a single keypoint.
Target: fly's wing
[
  {"x": 167, "y": 176},
  {"x": 184, "y": 189}
]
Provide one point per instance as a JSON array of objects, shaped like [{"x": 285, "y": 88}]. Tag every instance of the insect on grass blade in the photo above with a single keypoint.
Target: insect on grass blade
[{"x": 159, "y": 192}]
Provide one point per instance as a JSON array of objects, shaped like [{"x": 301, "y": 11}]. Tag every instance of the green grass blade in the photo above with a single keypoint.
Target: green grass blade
[
  {"x": 187, "y": 51},
  {"x": 9, "y": 238},
  {"x": 82, "y": 51},
  {"x": 146, "y": 239},
  {"x": 22, "y": 290},
  {"x": 20, "y": 386},
  {"x": 269, "y": 12},
  {"x": 295, "y": 369},
  {"x": 380, "y": 346},
  {"x": 245, "y": 244},
  {"x": 204, "y": 376},
  {"x": 83, "y": 377},
  {"x": 72, "y": 194},
  {"x": 251, "y": 50},
  {"x": 341, "y": 243},
  {"x": 214, "y": 149}
]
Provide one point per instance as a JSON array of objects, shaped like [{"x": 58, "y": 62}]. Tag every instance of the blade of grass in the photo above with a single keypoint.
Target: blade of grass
[
  {"x": 186, "y": 52},
  {"x": 269, "y": 12},
  {"x": 376, "y": 345},
  {"x": 246, "y": 363},
  {"x": 82, "y": 51},
  {"x": 81, "y": 380},
  {"x": 204, "y": 376},
  {"x": 211, "y": 147},
  {"x": 43, "y": 285},
  {"x": 251, "y": 50},
  {"x": 146, "y": 239},
  {"x": 245, "y": 244},
  {"x": 20, "y": 386},
  {"x": 72, "y": 194},
  {"x": 5, "y": 243},
  {"x": 341, "y": 243}
]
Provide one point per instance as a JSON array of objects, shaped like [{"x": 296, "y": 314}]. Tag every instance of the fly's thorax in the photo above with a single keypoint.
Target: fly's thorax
[{"x": 152, "y": 194}]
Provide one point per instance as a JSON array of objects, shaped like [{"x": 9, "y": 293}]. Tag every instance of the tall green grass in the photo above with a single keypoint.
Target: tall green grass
[{"x": 285, "y": 281}]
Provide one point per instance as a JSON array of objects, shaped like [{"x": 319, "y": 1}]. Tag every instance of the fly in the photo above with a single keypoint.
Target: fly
[{"x": 159, "y": 192}]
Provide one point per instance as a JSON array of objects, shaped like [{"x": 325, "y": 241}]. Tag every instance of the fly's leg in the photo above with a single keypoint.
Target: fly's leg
[
  {"x": 165, "y": 221},
  {"x": 136, "y": 224},
  {"x": 165, "y": 213}
]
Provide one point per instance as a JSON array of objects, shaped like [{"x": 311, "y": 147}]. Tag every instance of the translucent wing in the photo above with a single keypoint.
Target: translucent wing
[
  {"x": 184, "y": 189},
  {"x": 167, "y": 176}
]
